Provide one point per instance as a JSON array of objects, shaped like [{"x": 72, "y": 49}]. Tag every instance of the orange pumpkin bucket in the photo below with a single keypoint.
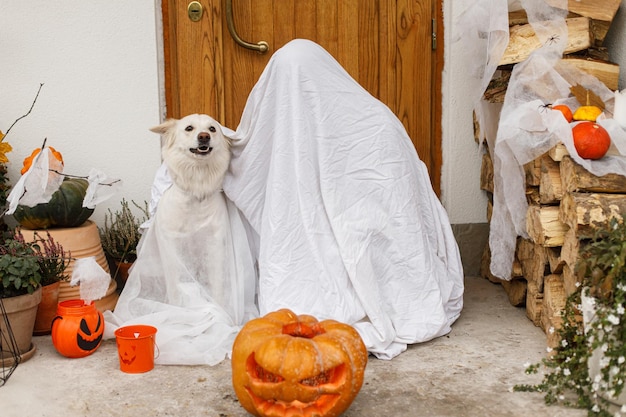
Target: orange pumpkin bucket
[
  {"x": 135, "y": 348},
  {"x": 77, "y": 329}
]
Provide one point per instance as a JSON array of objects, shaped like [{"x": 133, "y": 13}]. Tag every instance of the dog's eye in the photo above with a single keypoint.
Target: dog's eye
[
  {"x": 189, "y": 128},
  {"x": 212, "y": 129}
]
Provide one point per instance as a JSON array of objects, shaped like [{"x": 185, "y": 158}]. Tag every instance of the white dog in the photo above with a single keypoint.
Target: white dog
[
  {"x": 192, "y": 217},
  {"x": 194, "y": 278}
]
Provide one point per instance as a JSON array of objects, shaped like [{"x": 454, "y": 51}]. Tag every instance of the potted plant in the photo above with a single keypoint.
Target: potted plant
[
  {"x": 20, "y": 290},
  {"x": 588, "y": 368},
  {"x": 120, "y": 236},
  {"x": 62, "y": 211},
  {"x": 53, "y": 261}
]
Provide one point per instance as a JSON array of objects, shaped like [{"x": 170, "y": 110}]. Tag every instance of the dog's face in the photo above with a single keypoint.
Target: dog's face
[
  {"x": 197, "y": 134},
  {"x": 196, "y": 153}
]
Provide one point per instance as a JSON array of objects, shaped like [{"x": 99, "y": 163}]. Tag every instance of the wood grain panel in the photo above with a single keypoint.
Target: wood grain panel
[{"x": 305, "y": 19}]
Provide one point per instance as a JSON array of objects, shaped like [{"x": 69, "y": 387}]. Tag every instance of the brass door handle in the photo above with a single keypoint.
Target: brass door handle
[{"x": 261, "y": 46}]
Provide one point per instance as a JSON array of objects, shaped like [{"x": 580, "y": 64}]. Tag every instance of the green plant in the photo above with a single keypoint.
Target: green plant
[
  {"x": 4, "y": 190},
  {"x": 51, "y": 258},
  {"x": 120, "y": 234},
  {"x": 601, "y": 270},
  {"x": 19, "y": 268}
]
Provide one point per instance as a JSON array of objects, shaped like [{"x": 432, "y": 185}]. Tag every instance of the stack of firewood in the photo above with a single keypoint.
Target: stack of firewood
[{"x": 565, "y": 200}]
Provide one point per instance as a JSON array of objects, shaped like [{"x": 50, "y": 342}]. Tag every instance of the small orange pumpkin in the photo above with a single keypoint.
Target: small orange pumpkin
[
  {"x": 77, "y": 329},
  {"x": 591, "y": 140},
  {"x": 565, "y": 110},
  {"x": 28, "y": 161},
  {"x": 289, "y": 365}
]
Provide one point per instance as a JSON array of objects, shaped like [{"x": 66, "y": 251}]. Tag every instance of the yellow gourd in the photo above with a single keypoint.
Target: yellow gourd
[{"x": 588, "y": 113}]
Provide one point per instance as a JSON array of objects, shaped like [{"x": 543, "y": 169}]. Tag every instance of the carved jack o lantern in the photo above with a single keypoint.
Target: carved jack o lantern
[
  {"x": 77, "y": 329},
  {"x": 289, "y": 365}
]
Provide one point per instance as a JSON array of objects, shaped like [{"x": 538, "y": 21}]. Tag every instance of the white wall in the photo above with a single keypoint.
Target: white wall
[
  {"x": 460, "y": 178},
  {"x": 99, "y": 63}
]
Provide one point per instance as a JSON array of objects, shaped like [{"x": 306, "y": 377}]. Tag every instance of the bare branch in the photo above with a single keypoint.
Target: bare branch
[{"x": 30, "y": 110}]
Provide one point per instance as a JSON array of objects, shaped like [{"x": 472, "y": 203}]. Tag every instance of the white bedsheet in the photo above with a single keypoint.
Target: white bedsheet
[{"x": 347, "y": 224}]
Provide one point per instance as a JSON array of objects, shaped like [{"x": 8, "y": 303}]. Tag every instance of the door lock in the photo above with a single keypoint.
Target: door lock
[{"x": 194, "y": 11}]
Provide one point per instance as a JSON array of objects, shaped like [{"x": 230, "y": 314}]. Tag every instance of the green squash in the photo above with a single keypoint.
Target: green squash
[{"x": 65, "y": 208}]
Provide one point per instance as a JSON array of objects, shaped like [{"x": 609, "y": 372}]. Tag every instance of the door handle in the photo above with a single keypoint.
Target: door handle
[{"x": 261, "y": 46}]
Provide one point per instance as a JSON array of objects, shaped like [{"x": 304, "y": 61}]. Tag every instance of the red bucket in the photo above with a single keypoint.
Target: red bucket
[{"x": 135, "y": 348}]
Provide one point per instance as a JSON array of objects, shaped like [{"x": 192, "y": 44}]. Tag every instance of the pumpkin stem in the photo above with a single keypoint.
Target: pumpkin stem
[{"x": 299, "y": 329}]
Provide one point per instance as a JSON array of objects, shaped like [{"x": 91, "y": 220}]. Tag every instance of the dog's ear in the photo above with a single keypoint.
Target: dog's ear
[{"x": 164, "y": 127}]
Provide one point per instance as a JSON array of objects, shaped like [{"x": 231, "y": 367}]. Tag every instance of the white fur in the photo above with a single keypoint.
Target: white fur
[{"x": 199, "y": 175}]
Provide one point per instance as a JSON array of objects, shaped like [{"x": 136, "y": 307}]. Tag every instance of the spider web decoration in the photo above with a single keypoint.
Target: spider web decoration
[{"x": 9, "y": 352}]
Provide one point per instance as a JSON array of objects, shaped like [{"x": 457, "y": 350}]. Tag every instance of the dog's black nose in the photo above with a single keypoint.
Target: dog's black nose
[{"x": 204, "y": 138}]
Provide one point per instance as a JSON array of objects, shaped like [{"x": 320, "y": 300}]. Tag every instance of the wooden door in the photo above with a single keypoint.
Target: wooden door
[{"x": 386, "y": 45}]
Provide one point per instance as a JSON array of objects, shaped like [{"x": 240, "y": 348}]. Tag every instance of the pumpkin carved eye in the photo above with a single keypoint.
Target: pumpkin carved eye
[{"x": 331, "y": 376}]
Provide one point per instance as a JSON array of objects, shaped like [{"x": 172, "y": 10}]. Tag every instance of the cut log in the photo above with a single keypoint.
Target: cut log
[
  {"x": 534, "y": 261},
  {"x": 477, "y": 133},
  {"x": 607, "y": 72},
  {"x": 601, "y": 13},
  {"x": 554, "y": 259},
  {"x": 532, "y": 196},
  {"x": 583, "y": 212},
  {"x": 550, "y": 190},
  {"x": 486, "y": 173},
  {"x": 485, "y": 265},
  {"x": 595, "y": 9},
  {"x": 576, "y": 178},
  {"x": 534, "y": 303},
  {"x": 570, "y": 280},
  {"x": 570, "y": 248},
  {"x": 515, "y": 290},
  {"x": 496, "y": 90},
  {"x": 544, "y": 227},
  {"x": 554, "y": 299},
  {"x": 558, "y": 152},
  {"x": 523, "y": 41},
  {"x": 532, "y": 172}
]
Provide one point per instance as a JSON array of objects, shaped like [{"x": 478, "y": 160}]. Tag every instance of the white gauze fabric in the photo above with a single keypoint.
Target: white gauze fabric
[
  {"x": 527, "y": 128},
  {"x": 344, "y": 219},
  {"x": 170, "y": 285}
]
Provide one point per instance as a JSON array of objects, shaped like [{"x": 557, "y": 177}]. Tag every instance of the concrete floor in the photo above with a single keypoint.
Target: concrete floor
[{"x": 470, "y": 373}]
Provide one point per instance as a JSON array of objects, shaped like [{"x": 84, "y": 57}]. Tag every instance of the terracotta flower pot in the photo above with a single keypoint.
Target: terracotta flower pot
[
  {"x": 21, "y": 312},
  {"x": 121, "y": 272},
  {"x": 47, "y": 309},
  {"x": 82, "y": 241}
]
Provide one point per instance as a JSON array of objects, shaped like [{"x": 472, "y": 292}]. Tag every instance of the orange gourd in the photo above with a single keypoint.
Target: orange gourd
[
  {"x": 77, "y": 329},
  {"x": 567, "y": 113},
  {"x": 28, "y": 161},
  {"x": 591, "y": 140},
  {"x": 289, "y": 365}
]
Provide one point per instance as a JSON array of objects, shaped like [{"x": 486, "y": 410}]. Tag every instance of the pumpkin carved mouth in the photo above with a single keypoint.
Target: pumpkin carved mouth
[{"x": 316, "y": 394}]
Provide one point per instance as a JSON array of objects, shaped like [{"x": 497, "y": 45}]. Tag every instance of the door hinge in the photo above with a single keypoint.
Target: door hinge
[{"x": 433, "y": 34}]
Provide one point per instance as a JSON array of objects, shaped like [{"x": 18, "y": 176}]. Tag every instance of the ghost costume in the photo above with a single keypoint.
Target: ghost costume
[{"x": 336, "y": 209}]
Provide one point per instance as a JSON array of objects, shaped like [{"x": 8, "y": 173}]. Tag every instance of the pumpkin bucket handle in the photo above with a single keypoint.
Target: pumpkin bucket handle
[{"x": 136, "y": 348}]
